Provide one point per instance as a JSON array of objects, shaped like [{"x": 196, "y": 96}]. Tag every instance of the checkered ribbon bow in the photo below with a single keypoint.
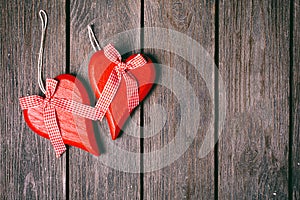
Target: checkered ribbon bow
[
  {"x": 120, "y": 70},
  {"x": 49, "y": 104}
]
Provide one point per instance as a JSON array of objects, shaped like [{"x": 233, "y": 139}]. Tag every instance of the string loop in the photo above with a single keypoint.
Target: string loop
[{"x": 44, "y": 21}]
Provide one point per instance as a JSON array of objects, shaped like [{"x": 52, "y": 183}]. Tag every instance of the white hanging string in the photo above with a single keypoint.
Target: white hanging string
[
  {"x": 43, "y": 17},
  {"x": 93, "y": 39},
  {"x": 44, "y": 20}
]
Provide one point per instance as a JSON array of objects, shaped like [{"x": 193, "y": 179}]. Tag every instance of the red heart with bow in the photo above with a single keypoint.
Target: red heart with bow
[
  {"x": 106, "y": 68},
  {"x": 47, "y": 115}
]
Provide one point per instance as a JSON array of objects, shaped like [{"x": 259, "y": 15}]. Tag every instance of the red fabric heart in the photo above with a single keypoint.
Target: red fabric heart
[
  {"x": 75, "y": 130},
  {"x": 100, "y": 69}
]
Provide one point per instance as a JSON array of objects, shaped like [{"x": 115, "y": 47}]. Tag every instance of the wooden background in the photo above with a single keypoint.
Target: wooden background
[{"x": 255, "y": 45}]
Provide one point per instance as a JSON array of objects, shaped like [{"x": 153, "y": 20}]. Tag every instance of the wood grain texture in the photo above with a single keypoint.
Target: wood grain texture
[
  {"x": 256, "y": 54},
  {"x": 188, "y": 177},
  {"x": 89, "y": 176},
  {"x": 28, "y": 166},
  {"x": 254, "y": 62},
  {"x": 296, "y": 102}
]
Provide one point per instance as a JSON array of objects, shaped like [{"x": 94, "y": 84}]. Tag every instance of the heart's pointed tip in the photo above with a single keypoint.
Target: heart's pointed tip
[
  {"x": 97, "y": 154},
  {"x": 94, "y": 152},
  {"x": 115, "y": 134}
]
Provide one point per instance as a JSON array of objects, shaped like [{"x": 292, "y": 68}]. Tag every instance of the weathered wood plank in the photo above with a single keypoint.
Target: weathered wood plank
[
  {"x": 188, "y": 177},
  {"x": 28, "y": 166},
  {"x": 296, "y": 102},
  {"x": 89, "y": 177},
  {"x": 254, "y": 62}
]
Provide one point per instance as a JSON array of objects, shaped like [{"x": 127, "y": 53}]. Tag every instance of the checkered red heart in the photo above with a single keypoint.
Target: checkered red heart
[
  {"x": 100, "y": 69},
  {"x": 75, "y": 130}
]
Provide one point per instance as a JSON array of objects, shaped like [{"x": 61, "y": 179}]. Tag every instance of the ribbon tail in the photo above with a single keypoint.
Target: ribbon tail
[
  {"x": 53, "y": 130},
  {"x": 111, "y": 53},
  {"x": 108, "y": 93},
  {"x": 30, "y": 101},
  {"x": 132, "y": 91},
  {"x": 137, "y": 61}
]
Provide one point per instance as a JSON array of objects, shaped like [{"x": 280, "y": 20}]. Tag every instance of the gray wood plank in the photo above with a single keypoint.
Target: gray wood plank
[
  {"x": 254, "y": 61},
  {"x": 296, "y": 102},
  {"x": 28, "y": 166},
  {"x": 98, "y": 177},
  {"x": 186, "y": 176}
]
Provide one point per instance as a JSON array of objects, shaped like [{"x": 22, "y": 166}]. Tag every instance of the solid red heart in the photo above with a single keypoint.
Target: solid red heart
[
  {"x": 76, "y": 131},
  {"x": 100, "y": 69}
]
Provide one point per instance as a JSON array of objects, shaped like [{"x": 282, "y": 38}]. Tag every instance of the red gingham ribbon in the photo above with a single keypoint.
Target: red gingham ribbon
[
  {"x": 114, "y": 80},
  {"x": 49, "y": 104}
]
